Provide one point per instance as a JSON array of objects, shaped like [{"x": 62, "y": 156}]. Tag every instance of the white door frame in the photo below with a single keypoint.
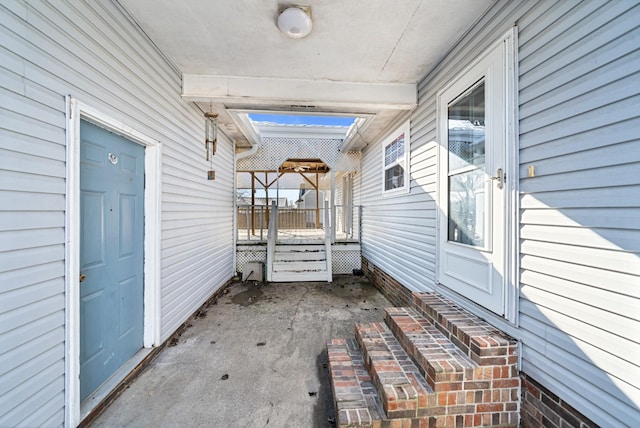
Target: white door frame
[
  {"x": 76, "y": 110},
  {"x": 511, "y": 214}
]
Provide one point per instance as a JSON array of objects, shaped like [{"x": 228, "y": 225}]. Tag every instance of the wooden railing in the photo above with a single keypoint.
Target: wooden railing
[
  {"x": 347, "y": 223},
  {"x": 253, "y": 222}
]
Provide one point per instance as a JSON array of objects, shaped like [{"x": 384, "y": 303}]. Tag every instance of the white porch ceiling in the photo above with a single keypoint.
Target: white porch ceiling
[{"x": 362, "y": 56}]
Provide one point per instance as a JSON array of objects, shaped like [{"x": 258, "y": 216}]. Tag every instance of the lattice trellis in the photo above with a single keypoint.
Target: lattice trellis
[
  {"x": 345, "y": 261},
  {"x": 244, "y": 257},
  {"x": 342, "y": 261},
  {"x": 274, "y": 151},
  {"x": 348, "y": 162}
]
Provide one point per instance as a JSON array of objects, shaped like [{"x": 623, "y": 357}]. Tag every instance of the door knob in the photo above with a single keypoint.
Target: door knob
[
  {"x": 82, "y": 277},
  {"x": 500, "y": 178}
]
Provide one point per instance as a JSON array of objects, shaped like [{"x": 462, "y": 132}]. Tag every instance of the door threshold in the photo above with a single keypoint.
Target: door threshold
[{"x": 98, "y": 397}]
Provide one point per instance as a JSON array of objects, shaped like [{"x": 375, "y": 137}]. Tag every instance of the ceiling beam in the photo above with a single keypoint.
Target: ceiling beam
[{"x": 298, "y": 92}]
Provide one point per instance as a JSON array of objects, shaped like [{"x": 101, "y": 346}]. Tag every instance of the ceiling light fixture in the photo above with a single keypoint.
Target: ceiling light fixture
[{"x": 295, "y": 21}]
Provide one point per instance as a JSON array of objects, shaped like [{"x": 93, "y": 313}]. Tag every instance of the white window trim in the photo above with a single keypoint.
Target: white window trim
[
  {"x": 76, "y": 111},
  {"x": 405, "y": 129}
]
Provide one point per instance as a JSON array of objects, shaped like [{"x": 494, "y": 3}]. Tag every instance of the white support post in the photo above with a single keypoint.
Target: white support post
[
  {"x": 272, "y": 237},
  {"x": 333, "y": 206},
  {"x": 248, "y": 211},
  {"x": 327, "y": 241}
]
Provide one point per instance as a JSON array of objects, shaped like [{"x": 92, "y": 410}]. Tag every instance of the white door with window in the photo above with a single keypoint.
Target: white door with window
[{"x": 473, "y": 130}]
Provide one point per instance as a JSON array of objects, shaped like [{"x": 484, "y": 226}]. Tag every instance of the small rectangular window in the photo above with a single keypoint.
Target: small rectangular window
[{"x": 395, "y": 154}]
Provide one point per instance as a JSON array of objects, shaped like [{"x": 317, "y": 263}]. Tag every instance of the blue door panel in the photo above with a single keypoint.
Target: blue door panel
[
  {"x": 92, "y": 213},
  {"x": 111, "y": 253},
  {"x": 93, "y": 344},
  {"x": 128, "y": 319},
  {"x": 92, "y": 154},
  {"x": 127, "y": 234},
  {"x": 128, "y": 163}
]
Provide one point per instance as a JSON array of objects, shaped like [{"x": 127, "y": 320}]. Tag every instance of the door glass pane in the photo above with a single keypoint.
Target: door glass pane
[
  {"x": 466, "y": 130},
  {"x": 466, "y": 142},
  {"x": 466, "y": 208}
]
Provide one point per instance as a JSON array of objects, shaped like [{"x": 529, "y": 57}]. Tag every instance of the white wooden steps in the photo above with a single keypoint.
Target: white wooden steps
[{"x": 296, "y": 262}]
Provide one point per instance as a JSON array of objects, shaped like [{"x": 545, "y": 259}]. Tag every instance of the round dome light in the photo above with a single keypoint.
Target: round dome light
[{"x": 295, "y": 22}]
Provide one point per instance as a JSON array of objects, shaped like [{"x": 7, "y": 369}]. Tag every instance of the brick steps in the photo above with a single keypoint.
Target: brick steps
[
  {"x": 430, "y": 365},
  {"x": 482, "y": 342},
  {"x": 355, "y": 399},
  {"x": 401, "y": 387},
  {"x": 442, "y": 364}
]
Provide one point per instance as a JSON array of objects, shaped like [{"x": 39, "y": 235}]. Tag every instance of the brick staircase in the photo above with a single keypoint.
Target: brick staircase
[{"x": 429, "y": 365}]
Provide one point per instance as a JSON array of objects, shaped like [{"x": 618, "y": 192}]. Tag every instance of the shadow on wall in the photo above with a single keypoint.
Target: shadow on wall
[
  {"x": 577, "y": 315},
  {"x": 579, "y": 258}
]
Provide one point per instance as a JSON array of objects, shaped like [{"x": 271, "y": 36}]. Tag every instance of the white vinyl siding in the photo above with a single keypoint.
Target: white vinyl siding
[
  {"x": 397, "y": 232},
  {"x": 580, "y": 228},
  {"x": 579, "y": 91},
  {"x": 95, "y": 53}
]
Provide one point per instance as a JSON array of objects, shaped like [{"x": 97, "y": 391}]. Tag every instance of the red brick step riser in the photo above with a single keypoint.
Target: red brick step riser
[
  {"x": 482, "y": 342},
  {"x": 489, "y": 413},
  {"x": 475, "y": 385},
  {"x": 440, "y": 366},
  {"x": 456, "y": 380},
  {"x": 398, "y": 382},
  {"x": 355, "y": 398}
]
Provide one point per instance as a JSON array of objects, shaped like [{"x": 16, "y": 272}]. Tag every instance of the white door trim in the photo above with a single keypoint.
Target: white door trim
[
  {"x": 512, "y": 156},
  {"x": 511, "y": 239},
  {"x": 76, "y": 110}
]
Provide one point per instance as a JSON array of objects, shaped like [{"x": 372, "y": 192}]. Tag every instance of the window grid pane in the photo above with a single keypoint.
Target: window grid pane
[
  {"x": 394, "y": 177},
  {"x": 394, "y": 151}
]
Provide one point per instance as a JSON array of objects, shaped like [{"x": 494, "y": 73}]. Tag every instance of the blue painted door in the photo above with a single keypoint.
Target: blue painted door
[{"x": 111, "y": 253}]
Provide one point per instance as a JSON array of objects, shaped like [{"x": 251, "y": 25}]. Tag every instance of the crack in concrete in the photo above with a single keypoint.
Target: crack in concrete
[
  {"x": 269, "y": 415},
  {"x": 295, "y": 313},
  {"x": 290, "y": 328}
]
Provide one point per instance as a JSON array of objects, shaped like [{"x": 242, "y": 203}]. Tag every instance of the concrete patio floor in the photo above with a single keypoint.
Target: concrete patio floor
[{"x": 256, "y": 359}]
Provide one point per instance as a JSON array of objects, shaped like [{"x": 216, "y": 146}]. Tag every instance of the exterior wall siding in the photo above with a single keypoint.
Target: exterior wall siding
[
  {"x": 578, "y": 81},
  {"x": 95, "y": 53},
  {"x": 580, "y": 251},
  {"x": 398, "y": 232}
]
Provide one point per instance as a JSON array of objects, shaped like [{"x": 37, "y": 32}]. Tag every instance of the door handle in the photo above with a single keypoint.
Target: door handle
[
  {"x": 82, "y": 277},
  {"x": 500, "y": 177}
]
